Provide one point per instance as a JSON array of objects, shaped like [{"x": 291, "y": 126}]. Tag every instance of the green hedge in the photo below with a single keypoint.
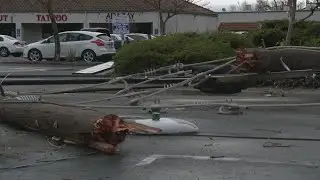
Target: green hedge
[
  {"x": 306, "y": 33},
  {"x": 182, "y": 47}
]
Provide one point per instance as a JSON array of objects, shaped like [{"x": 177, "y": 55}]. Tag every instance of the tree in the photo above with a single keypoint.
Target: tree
[
  {"x": 301, "y": 5},
  {"x": 292, "y": 18},
  {"x": 233, "y": 8},
  {"x": 244, "y": 6},
  {"x": 314, "y": 5},
  {"x": 48, "y": 6},
  {"x": 262, "y": 5},
  {"x": 170, "y": 8},
  {"x": 275, "y": 5},
  {"x": 279, "y": 5}
]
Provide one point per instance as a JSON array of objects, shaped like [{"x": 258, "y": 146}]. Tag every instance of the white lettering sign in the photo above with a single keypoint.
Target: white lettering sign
[{"x": 120, "y": 24}]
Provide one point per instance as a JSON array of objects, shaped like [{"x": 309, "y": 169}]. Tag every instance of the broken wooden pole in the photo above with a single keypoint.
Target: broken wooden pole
[
  {"x": 82, "y": 126},
  {"x": 295, "y": 59}
]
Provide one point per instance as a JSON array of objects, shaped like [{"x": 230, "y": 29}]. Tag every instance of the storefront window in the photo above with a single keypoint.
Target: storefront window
[
  {"x": 145, "y": 28},
  {"x": 8, "y": 29}
]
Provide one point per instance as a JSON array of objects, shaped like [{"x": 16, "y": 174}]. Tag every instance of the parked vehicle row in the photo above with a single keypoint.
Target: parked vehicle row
[
  {"x": 87, "y": 44},
  {"x": 130, "y": 36},
  {"x": 10, "y": 46}
]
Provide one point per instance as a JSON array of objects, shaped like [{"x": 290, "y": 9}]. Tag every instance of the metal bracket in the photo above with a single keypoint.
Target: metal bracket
[
  {"x": 227, "y": 110},
  {"x": 168, "y": 85},
  {"x": 29, "y": 98},
  {"x": 149, "y": 72}
]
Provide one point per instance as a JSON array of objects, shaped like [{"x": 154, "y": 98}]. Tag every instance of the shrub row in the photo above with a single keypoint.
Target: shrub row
[
  {"x": 182, "y": 47},
  {"x": 306, "y": 33},
  {"x": 192, "y": 47}
]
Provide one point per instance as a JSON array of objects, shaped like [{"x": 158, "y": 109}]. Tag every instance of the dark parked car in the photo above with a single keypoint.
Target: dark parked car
[{"x": 118, "y": 41}]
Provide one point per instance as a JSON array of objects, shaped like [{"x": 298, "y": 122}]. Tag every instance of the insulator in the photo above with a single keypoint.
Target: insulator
[
  {"x": 11, "y": 93},
  {"x": 178, "y": 65},
  {"x": 168, "y": 85},
  {"x": 29, "y": 98},
  {"x": 157, "y": 101},
  {"x": 149, "y": 72}
]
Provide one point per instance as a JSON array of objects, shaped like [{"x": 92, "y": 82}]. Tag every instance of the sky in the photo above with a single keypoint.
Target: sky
[
  {"x": 228, "y": 2},
  {"x": 217, "y": 5}
]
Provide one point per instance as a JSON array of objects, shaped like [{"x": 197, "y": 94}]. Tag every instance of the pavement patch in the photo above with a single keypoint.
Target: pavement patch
[{"x": 150, "y": 159}]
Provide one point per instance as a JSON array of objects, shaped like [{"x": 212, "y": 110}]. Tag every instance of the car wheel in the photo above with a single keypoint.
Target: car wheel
[
  {"x": 88, "y": 56},
  {"x": 34, "y": 55},
  {"x": 4, "y": 52}
]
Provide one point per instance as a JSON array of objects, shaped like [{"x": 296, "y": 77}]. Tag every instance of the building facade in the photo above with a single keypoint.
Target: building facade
[
  {"x": 247, "y": 21},
  {"x": 262, "y": 16},
  {"x": 34, "y": 24}
]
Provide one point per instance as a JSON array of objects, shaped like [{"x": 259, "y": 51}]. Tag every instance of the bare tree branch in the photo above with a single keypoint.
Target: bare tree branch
[
  {"x": 312, "y": 10},
  {"x": 275, "y": 4},
  {"x": 292, "y": 18},
  {"x": 170, "y": 8}
]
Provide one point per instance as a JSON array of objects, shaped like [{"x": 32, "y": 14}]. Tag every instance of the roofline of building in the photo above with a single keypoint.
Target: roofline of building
[
  {"x": 221, "y": 12},
  {"x": 239, "y": 22},
  {"x": 207, "y": 9},
  {"x": 94, "y": 11}
]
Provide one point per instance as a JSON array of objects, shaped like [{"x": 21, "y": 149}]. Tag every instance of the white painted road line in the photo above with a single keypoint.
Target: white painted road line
[
  {"x": 26, "y": 69},
  {"x": 150, "y": 159}
]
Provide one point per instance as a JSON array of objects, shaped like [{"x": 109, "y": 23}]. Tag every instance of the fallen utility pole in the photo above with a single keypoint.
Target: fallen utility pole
[
  {"x": 189, "y": 80},
  {"x": 80, "y": 126}
]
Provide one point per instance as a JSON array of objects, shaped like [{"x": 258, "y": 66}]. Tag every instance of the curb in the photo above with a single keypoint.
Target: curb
[
  {"x": 91, "y": 90},
  {"x": 23, "y": 76},
  {"x": 53, "y": 63},
  {"x": 71, "y": 80}
]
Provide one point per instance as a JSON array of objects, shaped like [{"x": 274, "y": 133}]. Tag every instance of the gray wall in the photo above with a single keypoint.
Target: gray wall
[{"x": 261, "y": 16}]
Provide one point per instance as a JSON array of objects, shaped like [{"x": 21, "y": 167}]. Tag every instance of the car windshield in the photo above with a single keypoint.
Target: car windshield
[
  {"x": 115, "y": 38},
  {"x": 136, "y": 37}
]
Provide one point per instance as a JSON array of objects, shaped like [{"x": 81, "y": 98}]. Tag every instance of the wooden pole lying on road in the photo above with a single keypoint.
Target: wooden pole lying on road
[{"x": 81, "y": 126}]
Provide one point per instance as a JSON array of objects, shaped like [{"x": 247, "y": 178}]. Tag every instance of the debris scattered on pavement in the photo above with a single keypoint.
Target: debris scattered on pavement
[
  {"x": 230, "y": 110},
  {"x": 272, "y": 145}
]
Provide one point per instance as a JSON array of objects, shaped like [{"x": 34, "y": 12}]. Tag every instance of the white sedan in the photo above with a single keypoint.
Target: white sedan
[
  {"x": 118, "y": 41},
  {"x": 10, "y": 45},
  {"x": 139, "y": 36},
  {"x": 78, "y": 44}
]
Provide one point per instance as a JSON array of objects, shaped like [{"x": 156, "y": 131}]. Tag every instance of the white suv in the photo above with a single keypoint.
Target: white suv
[{"x": 80, "y": 44}]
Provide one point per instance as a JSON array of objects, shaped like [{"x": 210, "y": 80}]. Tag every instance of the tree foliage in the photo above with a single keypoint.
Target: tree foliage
[
  {"x": 264, "y": 5},
  {"x": 181, "y": 47},
  {"x": 305, "y": 33},
  {"x": 170, "y": 8}
]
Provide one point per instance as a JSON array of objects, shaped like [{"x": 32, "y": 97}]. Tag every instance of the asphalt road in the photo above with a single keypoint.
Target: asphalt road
[
  {"x": 208, "y": 155},
  {"x": 18, "y": 66}
]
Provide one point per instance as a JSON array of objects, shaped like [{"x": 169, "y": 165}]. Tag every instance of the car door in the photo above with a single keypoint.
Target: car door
[
  {"x": 63, "y": 45},
  {"x": 76, "y": 43},
  {"x": 3, "y": 42},
  {"x": 47, "y": 47}
]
